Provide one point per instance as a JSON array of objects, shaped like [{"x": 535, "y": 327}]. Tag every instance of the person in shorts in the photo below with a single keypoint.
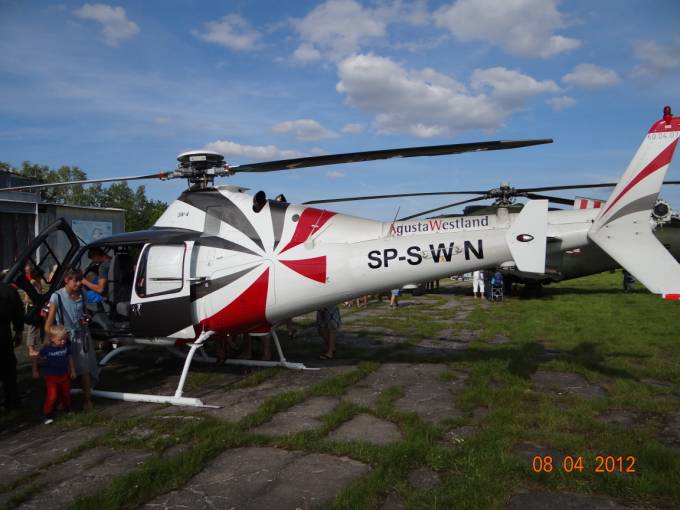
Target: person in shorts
[{"x": 328, "y": 323}]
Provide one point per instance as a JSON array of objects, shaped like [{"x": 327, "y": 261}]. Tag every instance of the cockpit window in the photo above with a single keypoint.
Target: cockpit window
[{"x": 161, "y": 270}]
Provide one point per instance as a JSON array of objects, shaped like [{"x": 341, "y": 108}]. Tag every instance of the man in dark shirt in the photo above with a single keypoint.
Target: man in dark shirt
[{"x": 11, "y": 312}]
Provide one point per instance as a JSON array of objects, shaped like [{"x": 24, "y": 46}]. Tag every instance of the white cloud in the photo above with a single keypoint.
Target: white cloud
[
  {"x": 353, "y": 129},
  {"x": 306, "y": 53},
  {"x": 305, "y": 129},
  {"x": 591, "y": 76},
  {"x": 561, "y": 102},
  {"x": 232, "y": 31},
  {"x": 116, "y": 27},
  {"x": 655, "y": 59},
  {"x": 427, "y": 103},
  {"x": 509, "y": 87},
  {"x": 334, "y": 174},
  {"x": 338, "y": 28},
  {"x": 520, "y": 27},
  {"x": 252, "y": 152}
]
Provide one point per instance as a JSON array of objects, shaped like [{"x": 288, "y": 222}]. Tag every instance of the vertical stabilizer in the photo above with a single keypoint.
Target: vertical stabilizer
[{"x": 623, "y": 228}]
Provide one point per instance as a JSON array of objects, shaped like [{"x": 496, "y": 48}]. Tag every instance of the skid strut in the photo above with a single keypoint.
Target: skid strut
[
  {"x": 283, "y": 362},
  {"x": 177, "y": 399}
]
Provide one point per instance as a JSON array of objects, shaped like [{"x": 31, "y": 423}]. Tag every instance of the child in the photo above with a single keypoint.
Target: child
[{"x": 58, "y": 366}]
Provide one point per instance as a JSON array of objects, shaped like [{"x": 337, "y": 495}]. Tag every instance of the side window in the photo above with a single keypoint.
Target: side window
[{"x": 161, "y": 270}]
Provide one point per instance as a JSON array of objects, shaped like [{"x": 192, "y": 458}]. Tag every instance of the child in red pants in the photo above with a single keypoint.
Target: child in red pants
[{"x": 58, "y": 367}]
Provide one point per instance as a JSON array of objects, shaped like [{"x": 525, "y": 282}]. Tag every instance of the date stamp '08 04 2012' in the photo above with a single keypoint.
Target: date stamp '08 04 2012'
[{"x": 603, "y": 464}]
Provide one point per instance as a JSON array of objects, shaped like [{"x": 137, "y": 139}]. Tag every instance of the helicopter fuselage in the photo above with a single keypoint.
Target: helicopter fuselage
[{"x": 242, "y": 269}]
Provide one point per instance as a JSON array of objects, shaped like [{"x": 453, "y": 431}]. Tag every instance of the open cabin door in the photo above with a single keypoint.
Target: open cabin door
[
  {"x": 51, "y": 253},
  {"x": 161, "y": 296}
]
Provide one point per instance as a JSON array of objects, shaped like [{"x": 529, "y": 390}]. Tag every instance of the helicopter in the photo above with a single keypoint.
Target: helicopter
[
  {"x": 220, "y": 260},
  {"x": 560, "y": 264}
]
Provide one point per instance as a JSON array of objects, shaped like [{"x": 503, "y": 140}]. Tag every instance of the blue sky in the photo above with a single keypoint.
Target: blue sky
[{"x": 122, "y": 88}]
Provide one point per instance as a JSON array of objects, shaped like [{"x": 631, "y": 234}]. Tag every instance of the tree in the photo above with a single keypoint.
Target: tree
[{"x": 140, "y": 212}]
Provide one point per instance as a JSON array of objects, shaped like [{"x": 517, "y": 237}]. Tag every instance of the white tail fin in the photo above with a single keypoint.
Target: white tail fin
[
  {"x": 623, "y": 228},
  {"x": 526, "y": 237}
]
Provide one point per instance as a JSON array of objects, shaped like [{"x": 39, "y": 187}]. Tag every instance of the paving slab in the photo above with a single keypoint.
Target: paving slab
[
  {"x": 370, "y": 429},
  {"x": 424, "y": 478},
  {"x": 498, "y": 340},
  {"x": 299, "y": 418},
  {"x": 424, "y": 392},
  {"x": 566, "y": 383},
  {"x": 459, "y": 435},
  {"x": 527, "y": 450},
  {"x": 543, "y": 500},
  {"x": 237, "y": 403},
  {"x": 257, "y": 478},
  {"x": 624, "y": 417},
  {"x": 394, "y": 502},
  {"x": 428, "y": 396},
  {"x": 22, "y": 453},
  {"x": 102, "y": 465},
  {"x": 670, "y": 435}
]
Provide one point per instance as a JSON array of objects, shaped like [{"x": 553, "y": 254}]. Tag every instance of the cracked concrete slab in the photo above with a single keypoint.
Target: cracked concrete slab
[
  {"x": 299, "y": 418},
  {"x": 394, "y": 502},
  {"x": 369, "y": 429},
  {"x": 527, "y": 450},
  {"x": 543, "y": 500},
  {"x": 91, "y": 473},
  {"x": 237, "y": 403},
  {"x": 424, "y": 478},
  {"x": 255, "y": 478},
  {"x": 567, "y": 383},
  {"x": 424, "y": 392},
  {"x": 23, "y": 453},
  {"x": 670, "y": 435}
]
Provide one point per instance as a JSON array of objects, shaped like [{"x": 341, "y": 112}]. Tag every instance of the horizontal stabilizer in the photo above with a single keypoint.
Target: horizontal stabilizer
[{"x": 526, "y": 237}]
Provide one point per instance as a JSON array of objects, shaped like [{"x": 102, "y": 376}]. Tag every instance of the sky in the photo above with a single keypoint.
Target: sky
[{"x": 123, "y": 88}]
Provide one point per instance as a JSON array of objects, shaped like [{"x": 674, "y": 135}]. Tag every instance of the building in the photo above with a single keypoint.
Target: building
[{"x": 23, "y": 215}]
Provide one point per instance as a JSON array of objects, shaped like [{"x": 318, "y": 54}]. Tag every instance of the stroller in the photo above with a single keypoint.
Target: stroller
[{"x": 497, "y": 286}]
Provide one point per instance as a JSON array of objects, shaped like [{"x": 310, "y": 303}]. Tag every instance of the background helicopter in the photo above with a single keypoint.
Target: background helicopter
[
  {"x": 222, "y": 261},
  {"x": 560, "y": 265}
]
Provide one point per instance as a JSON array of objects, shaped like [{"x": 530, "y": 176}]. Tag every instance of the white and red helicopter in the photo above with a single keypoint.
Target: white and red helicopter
[{"x": 222, "y": 261}]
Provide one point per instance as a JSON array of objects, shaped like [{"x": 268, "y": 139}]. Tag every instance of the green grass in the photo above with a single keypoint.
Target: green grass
[{"x": 615, "y": 340}]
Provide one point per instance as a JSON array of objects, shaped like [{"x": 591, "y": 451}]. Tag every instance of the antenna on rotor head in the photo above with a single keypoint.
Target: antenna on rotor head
[{"x": 201, "y": 167}]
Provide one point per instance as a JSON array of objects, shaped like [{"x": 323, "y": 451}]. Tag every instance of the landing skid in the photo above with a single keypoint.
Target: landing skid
[{"x": 177, "y": 399}]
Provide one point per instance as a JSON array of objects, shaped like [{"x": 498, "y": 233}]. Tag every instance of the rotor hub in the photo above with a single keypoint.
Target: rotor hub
[{"x": 201, "y": 167}]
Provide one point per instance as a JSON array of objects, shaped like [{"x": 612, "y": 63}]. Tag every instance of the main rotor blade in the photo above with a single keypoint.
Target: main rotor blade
[
  {"x": 476, "y": 199},
  {"x": 557, "y": 200},
  {"x": 160, "y": 175},
  {"x": 581, "y": 186},
  {"x": 397, "y": 195},
  {"x": 404, "y": 152}
]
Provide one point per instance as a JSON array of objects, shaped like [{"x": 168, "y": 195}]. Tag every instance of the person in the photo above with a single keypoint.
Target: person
[
  {"x": 92, "y": 296},
  {"x": 265, "y": 346},
  {"x": 57, "y": 368},
  {"x": 328, "y": 323},
  {"x": 628, "y": 281},
  {"x": 394, "y": 298},
  {"x": 67, "y": 307},
  {"x": 11, "y": 314},
  {"x": 34, "y": 331},
  {"x": 478, "y": 284},
  {"x": 102, "y": 262}
]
